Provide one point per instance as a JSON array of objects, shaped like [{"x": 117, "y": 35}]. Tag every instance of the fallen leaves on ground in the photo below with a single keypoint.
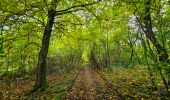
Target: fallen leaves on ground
[
  {"x": 89, "y": 85},
  {"x": 134, "y": 83},
  {"x": 58, "y": 86}
]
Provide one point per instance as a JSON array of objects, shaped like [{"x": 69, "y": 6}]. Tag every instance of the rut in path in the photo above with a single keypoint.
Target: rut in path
[{"x": 89, "y": 85}]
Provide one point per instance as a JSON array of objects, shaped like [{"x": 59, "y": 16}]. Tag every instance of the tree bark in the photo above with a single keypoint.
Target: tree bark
[
  {"x": 162, "y": 53},
  {"x": 41, "y": 82}
]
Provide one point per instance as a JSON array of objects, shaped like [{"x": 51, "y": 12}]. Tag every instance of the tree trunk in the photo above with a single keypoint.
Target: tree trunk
[
  {"x": 162, "y": 53},
  {"x": 93, "y": 60},
  {"x": 132, "y": 50},
  {"x": 41, "y": 83},
  {"x": 1, "y": 42}
]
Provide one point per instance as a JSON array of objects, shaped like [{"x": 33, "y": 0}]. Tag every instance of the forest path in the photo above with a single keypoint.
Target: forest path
[{"x": 89, "y": 85}]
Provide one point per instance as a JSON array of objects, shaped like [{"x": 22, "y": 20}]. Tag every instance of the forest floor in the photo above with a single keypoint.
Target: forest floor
[
  {"x": 90, "y": 85},
  {"x": 87, "y": 84},
  {"x": 59, "y": 84}
]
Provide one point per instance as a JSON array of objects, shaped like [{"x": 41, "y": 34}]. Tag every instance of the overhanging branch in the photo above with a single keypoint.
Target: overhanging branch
[{"x": 68, "y": 10}]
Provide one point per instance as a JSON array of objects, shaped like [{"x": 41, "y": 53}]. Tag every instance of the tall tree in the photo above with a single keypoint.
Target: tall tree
[
  {"x": 47, "y": 13},
  {"x": 41, "y": 72},
  {"x": 161, "y": 50},
  {"x": 41, "y": 82}
]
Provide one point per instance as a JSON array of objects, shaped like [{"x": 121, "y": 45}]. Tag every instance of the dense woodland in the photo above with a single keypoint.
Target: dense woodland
[{"x": 85, "y": 49}]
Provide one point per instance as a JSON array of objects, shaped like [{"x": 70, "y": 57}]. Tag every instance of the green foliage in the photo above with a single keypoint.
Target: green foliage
[{"x": 107, "y": 35}]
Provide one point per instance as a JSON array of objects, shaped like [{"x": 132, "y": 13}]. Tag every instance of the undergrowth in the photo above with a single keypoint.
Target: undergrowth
[{"x": 134, "y": 83}]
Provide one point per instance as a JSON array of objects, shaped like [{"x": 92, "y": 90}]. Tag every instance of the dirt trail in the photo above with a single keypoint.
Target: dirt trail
[{"x": 89, "y": 85}]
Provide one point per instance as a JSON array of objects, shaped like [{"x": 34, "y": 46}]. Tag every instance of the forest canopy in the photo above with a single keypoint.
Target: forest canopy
[{"x": 39, "y": 38}]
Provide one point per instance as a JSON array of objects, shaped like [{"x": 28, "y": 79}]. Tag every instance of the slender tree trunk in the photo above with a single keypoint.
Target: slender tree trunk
[
  {"x": 1, "y": 41},
  {"x": 159, "y": 69},
  {"x": 153, "y": 80},
  {"x": 132, "y": 50},
  {"x": 107, "y": 50},
  {"x": 162, "y": 53},
  {"x": 41, "y": 82},
  {"x": 131, "y": 56}
]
